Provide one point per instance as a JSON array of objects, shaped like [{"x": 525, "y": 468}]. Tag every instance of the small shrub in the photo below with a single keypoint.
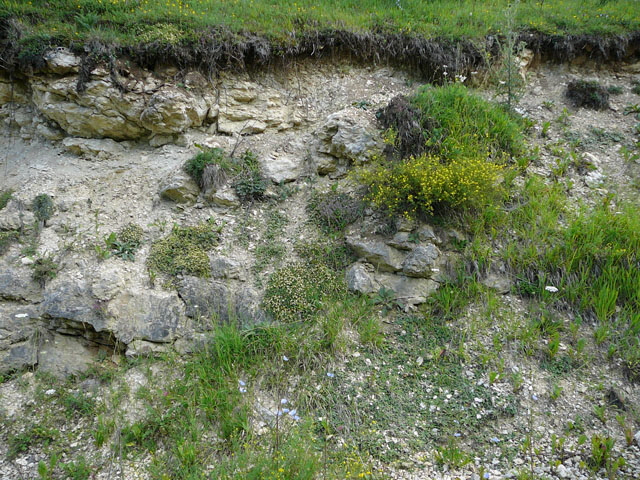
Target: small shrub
[
  {"x": 42, "y": 207},
  {"x": 333, "y": 211},
  {"x": 295, "y": 292},
  {"x": 588, "y": 94},
  {"x": 424, "y": 184},
  {"x": 5, "y": 196},
  {"x": 250, "y": 184},
  {"x": 131, "y": 233},
  {"x": 44, "y": 269},
  {"x": 196, "y": 165},
  {"x": 184, "y": 251}
]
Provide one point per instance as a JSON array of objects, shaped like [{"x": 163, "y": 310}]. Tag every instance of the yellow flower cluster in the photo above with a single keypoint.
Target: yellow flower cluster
[{"x": 420, "y": 184}]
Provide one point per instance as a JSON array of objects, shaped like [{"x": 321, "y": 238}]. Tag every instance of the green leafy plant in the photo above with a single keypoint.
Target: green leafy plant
[
  {"x": 184, "y": 251},
  {"x": 7, "y": 238},
  {"x": 44, "y": 269},
  {"x": 215, "y": 157},
  {"x": 295, "y": 292}
]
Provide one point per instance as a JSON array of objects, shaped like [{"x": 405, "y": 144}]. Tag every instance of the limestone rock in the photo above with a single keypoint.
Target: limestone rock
[
  {"x": 18, "y": 337},
  {"x": 71, "y": 299},
  {"x": 142, "y": 347},
  {"x": 360, "y": 279},
  {"x": 149, "y": 315},
  {"x": 16, "y": 284},
  {"x": 343, "y": 137},
  {"x": 421, "y": 261},
  {"x": 214, "y": 301},
  {"x": 402, "y": 241},
  {"x": 382, "y": 256},
  {"x": 94, "y": 149},
  {"x": 408, "y": 291},
  {"x": 247, "y": 107},
  {"x": 63, "y": 355},
  {"x": 62, "y": 61},
  {"x": 12, "y": 91},
  {"x": 48, "y": 132},
  {"x": 225, "y": 197},
  {"x": 173, "y": 110},
  {"x": 15, "y": 216},
  {"x": 224, "y": 267},
  {"x": 282, "y": 168},
  {"x": 500, "y": 283},
  {"x": 179, "y": 187},
  {"x": 98, "y": 112}
]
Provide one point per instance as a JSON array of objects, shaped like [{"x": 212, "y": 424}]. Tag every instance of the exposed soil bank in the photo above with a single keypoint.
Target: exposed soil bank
[{"x": 220, "y": 49}]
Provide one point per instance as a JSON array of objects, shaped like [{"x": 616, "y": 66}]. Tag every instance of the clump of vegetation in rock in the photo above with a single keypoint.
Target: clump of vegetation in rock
[
  {"x": 588, "y": 94},
  {"x": 250, "y": 184},
  {"x": 5, "y": 196},
  {"x": 6, "y": 239},
  {"x": 329, "y": 252},
  {"x": 184, "y": 250},
  {"x": 212, "y": 168},
  {"x": 42, "y": 207},
  {"x": 295, "y": 292},
  {"x": 333, "y": 211},
  {"x": 455, "y": 162},
  {"x": 122, "y": 244},
  {"x": 44, "y": 269}
]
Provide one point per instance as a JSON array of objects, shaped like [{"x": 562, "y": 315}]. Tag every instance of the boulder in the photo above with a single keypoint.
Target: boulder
[
  {"x": 179, "y": 187},
  {"x": 500, "y": 283},
  {"x": 223, "y": 267},
  {"x": 94, "y": 149},
  {"x": 225, "y": 197},
  {"x": 63, "y": 355},
  {"x": 214, "y": 301},
  {"x": 282, "y": 168},
  {"x": 421, "y": 261},
  {"x": 408, "y": 291},
  {"x": 18, "y": 337},
  {"x": 150, "y": 315},
  {"x": 379, "y": 254},
  {"x": 342, "y": 136},
  {"x": 16, "y": 284},
  {"x": 61, "y": 61},
  {"x": 173, "y": 110},
  {"x": 360, "y": 278}
]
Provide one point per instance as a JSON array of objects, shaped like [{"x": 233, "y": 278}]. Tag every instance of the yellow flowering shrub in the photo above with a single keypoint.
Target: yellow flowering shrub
[{"x": 424, "y": 184}]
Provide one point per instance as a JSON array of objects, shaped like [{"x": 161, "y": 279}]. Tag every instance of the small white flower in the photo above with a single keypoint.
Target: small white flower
[
  {"x": 284, "y": 401},
  {"x": 293, "y": 412},
  {"x": 242, "y": 390},
  {"x": 551, "y": 288},
  {"x": 50, "y": 392},
  {"x": 445, "y": 73},
  {"x": 285, "y": 410},
  {"x": 457, "y": 434},
  {"x": 330, "y": 375},
  {"x": 534, "y": 397},
  {"x": 285, "y": 358},
  {"x": 241, "y": 383}
]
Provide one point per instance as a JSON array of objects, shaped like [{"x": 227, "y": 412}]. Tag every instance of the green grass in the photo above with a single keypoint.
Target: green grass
[{"x": 146, "y": 21}]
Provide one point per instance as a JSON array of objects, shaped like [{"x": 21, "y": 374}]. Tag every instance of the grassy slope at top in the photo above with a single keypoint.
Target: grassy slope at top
[{"x": 131, "y": 22}]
